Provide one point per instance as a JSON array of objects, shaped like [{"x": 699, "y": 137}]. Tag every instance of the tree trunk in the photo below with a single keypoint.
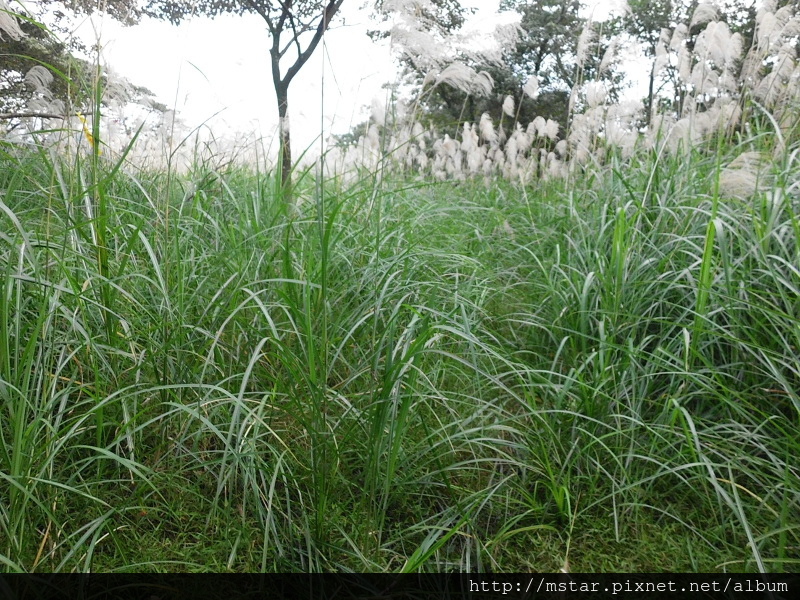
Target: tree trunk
[
  {"x": 651, "y": 91},
  {"x": 285, "y": 148}
]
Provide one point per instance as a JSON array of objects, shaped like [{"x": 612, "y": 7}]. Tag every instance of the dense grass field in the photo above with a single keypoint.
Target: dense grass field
[{"x": 592, "y": 374}]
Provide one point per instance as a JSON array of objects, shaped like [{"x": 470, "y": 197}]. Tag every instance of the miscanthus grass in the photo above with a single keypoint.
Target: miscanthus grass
[{"x": 592, "y": 374}]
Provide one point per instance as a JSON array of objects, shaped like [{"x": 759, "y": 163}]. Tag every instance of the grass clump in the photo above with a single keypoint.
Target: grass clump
[{"x": 594, "y": 374}]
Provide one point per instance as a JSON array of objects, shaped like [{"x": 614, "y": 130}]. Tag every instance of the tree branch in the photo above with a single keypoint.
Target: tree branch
[
  {"x": 264, "y": 15},
  {"x": 25, "y": 115},
  {"x": 295, "y": 34},
  {"x": 327, "y": 15}
]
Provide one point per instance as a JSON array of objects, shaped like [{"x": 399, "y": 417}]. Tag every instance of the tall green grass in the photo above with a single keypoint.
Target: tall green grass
[{"x": 593, "y": 375}]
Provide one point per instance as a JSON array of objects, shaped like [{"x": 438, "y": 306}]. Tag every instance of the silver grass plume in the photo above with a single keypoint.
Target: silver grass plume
[
  {"x": 772, "y": 88},
  {"x": 704, "y": 13},
  {"x": 508, "y": 106},
  {"x": 537, "y": 126},
  {"x": 550, "y": 129},
  {"x": 39, "y": 78},
  {"x": 118, "y": 90},
  {"x": 483, "y": 83},
  {"x": 773, "y": 30},
  {"x": 585, "y": 40},
  {"x": 465, "y": 78},
  {"x": 609, "y": 56},
  {"x": 378, "y": 112},
  {"x": 718, "y": 44},
  {"x": 8, "y": 23},
  {"x": 661, "y": 52},
  {"x": 487, "y": 129},
  {"x": 595, "y": 94},
  {"x": 744, "y": 176},
  {"x": 503, "y": 37},
  {"x": 531, "y": 88},
  {"x": 432, "y": 51},
  {"x": 413, "y": 35}
]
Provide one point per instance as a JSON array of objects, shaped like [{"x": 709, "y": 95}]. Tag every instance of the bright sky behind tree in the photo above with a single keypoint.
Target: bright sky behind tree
[{"x": 216, "y": 71}]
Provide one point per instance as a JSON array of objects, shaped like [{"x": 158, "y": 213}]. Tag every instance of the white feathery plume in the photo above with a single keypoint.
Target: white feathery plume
[
  {"x": 704, "y": 13},
  {"x": 703, "y": 79},
  {"x": 626, "y": 110},
  {"x": 373, "y": 139},
  {"x": 499, "y": 158},
  {"x": 8, "y": 23},
  {"x": 682, "y": 137},
  {"x": 539, "y": 125},
  {"x": 475, "y": 160},
  {"x": 401, "y": 110},
  {"x": 39, "y": 105},
  {"x": 609, "y": 56},
  {"x": 729, "y": 113},
  {"x": 532, "y": 131},
  {"x": 469, "y": 138},
  {"x": 621, "y": 137},
  {"x": 413, "y": 36},
  {"x": 511, "y": 150},
  {"x": 503, "y": 37},
  {"x": 531, "y": 87},
  {"x": 737, "y": 183},
  {"x": 678, "y": 37},
  {"x": 378, "y": 112},
  {"x": 595, "y": 94},
  {"x": 508, "y": 106},
  {"x": 483, "y": 84},
  {"x": 661, "y": 53},
  {"x": 792, "y": 27},
  {"x": 783, "y": 16},
  {"x": 556, "y": 169},
  {"x": 773, "y": 86},
  {"x": 716, "y": 43},
  {"x": 684, "y": 63},
  {"x": 580, "y": 138},
  {"x": 768, "y": 6},
  {"x": 550, "y": 129},
  {"x": 773, "y": 27},
  {"x": 458, "y": 75},
  {"x": 117, "y": 91},
  {"x": 407, "y": 6},
  {"x": 585, "y": 40},
  {"x": 487, "y": 128},
  {"x": 523, "y": 139},
  {"x": 449, "y": 146},
  {"x": 767, "y": 30},
  {"x": 420, "y": 135},
  {"x": 465, "y": 78},
  {"x": 728, "y": 83},
  {"x": 744, "y": 175},
  {"x": 39, "y": 78}
]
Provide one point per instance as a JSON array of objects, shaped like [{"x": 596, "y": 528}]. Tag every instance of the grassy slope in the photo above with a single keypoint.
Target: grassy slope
[{"x": 601, "y": 374}]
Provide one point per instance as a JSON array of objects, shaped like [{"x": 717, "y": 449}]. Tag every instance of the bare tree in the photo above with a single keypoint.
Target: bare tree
[{"x": 295, "y": 26}]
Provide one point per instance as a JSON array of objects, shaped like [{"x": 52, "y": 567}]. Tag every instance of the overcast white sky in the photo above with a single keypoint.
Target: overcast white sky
[{"x": 220, "y": 67}]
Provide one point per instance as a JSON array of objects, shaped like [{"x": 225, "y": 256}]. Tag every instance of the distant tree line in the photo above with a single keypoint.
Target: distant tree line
[{"x": 547, "y": 50}]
